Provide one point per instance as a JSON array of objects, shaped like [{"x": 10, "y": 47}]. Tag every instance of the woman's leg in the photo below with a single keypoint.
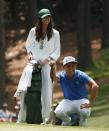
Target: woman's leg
[{"x": 46, "y": 93}]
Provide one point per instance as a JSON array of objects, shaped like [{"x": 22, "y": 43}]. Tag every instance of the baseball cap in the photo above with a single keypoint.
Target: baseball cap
[
  {"x": 43, "y": 13},
  {"x": 69, "y": 59}
]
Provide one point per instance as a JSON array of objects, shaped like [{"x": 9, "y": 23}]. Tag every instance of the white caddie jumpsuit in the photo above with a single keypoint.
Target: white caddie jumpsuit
[{"x": 51, "y": 49}]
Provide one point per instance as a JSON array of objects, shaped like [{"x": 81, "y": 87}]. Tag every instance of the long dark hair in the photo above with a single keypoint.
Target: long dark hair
[{"x": 39, "y": 33}]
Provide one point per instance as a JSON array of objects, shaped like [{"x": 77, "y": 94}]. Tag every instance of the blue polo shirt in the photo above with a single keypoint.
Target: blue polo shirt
[{"x": 76, "y": 87}]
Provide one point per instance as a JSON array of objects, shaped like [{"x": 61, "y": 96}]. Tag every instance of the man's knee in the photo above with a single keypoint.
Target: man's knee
[
  {"x": 58, "y": 113},
  {"x": 85, "y": 112}
]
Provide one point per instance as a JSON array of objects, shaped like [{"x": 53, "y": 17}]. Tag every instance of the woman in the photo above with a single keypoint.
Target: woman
[{"x": 43, "y": 45}]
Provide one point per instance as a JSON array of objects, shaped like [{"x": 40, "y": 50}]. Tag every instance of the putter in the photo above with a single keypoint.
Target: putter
[{"x": 52, "y": 74}]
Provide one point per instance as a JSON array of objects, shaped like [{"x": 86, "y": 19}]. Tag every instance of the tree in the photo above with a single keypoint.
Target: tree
[
  {"x": 31, "y": 15},
  {"x": 83, "y": 33},
  {"x": 2, "y": 53},
  {"x": 105, "y": 38}
]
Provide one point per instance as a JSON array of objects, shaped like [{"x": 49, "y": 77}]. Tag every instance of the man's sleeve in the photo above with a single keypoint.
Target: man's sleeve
[{"x": 85, "y": 78}]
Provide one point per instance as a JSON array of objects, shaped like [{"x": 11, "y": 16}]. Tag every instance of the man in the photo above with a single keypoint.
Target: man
[{"x": 74, "y": 85}]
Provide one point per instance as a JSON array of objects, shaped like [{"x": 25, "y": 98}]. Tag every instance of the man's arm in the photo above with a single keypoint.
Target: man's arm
[
  {"x": 53, "y": 72},
  {"x": 94, "y": 91}
]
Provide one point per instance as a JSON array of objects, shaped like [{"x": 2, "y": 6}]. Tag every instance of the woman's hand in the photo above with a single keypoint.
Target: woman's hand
[
  {"x": 47, "y": 60},
  {"x": 30, "y": 56},
  {"x": 42, "y": 62}
]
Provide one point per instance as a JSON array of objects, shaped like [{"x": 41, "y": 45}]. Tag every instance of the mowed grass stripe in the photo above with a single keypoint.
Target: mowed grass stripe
[{"x": 29, "y": 127}]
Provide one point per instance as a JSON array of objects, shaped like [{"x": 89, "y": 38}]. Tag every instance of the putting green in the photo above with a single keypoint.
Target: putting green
[{"x": 28, "y": 127}]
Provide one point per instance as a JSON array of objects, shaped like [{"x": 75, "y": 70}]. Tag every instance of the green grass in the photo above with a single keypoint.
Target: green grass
[{"x": 26, "y": 127}]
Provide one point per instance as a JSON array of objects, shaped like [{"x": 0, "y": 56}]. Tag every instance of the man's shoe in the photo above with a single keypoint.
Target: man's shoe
[
  {"x": 83, "y": 122},
  {"x": 18, "y": 122}
]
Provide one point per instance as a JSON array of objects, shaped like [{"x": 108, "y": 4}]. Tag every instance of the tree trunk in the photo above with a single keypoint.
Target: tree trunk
[
  {"x": 31, "y": 15},
  {"x": 105, "y": 39},
  {"x": 2, "y": 53},
  {"x": 83, "y": 34}
]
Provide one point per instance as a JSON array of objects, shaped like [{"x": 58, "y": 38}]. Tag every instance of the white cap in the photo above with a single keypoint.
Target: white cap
[{"x": 69, "y": 59}]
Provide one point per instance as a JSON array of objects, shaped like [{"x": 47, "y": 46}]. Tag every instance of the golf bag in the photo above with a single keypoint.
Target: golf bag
[{"x": 33, "y": 97}]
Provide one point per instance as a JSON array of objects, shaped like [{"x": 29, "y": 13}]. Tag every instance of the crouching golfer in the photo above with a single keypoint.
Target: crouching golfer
[{"x": 74, "y": 85}]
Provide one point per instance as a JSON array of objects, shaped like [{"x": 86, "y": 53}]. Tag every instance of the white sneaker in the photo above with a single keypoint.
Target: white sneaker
[
  {"x": 18, "y": 122},
  {"x": 45, "y": 122},
  {"x": 66, "y": 123}
]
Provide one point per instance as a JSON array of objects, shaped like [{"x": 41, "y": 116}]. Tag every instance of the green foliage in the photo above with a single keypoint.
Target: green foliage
[
  {"x": 100, "y": 67},
  {"x": 100, "y": 110}
]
